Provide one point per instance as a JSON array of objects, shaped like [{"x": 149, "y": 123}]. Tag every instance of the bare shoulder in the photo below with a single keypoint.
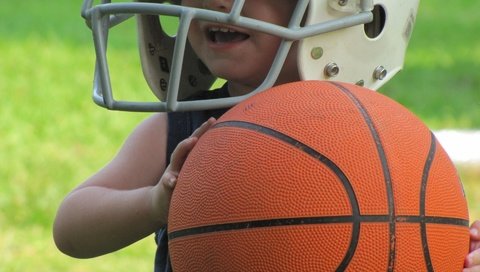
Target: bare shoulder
[
  {"x": 140, "y": 161},
  {"x": 149, "y": 133},
  {"x": 149, "y": 137}
]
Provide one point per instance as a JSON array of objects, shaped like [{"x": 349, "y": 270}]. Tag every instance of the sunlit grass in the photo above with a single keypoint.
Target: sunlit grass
[
  {"x": 32, "y": 248},
  {"x": 440, "y": 82},
  {"x": 55, "y": 129},
  {"x": 56, "y": 137},
  {"x": 470, "y": 175}
]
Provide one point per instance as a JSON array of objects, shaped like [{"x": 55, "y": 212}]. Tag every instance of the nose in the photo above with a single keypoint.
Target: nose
[{"x": 218, "y": 5}]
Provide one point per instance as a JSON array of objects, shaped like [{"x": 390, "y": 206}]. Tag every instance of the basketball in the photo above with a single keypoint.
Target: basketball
[{"x": 318, "y": 176}]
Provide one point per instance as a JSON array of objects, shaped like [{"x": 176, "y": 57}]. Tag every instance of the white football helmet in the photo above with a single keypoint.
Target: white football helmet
[{"x": 356, "y": 41}]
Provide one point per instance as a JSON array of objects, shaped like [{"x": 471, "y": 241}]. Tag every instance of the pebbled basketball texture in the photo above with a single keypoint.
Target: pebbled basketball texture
[{"x": 318, "y": 176}]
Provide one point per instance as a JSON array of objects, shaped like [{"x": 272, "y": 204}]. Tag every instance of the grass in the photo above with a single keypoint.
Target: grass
[
  {"x": 470, "y": 176},
  {"x": 31, "y": 248},
  {"x": 53, "y": 137},
  {"x": 440, "y": 82}
]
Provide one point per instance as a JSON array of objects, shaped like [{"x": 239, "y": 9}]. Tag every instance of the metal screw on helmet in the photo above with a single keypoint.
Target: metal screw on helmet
[
  {"x": 342, "y": 2},
  {"x": 361, "y": 83},
  {"x": 316, "y": 53},
  {"x": 380, "y": 73},
  {"x": 331, "y": 69}
]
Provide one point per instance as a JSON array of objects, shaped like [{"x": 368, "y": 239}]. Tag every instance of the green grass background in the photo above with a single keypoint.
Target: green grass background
[{"x": 52, "y": 136}]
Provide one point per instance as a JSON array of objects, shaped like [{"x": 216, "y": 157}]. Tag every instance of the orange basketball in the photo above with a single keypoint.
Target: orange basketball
[{"x": 318, "y": 176}]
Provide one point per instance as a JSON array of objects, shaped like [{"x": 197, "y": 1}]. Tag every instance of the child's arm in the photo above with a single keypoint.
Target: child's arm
[
  {"x": 111, "y": 209},
  {"x": 472, "y": 261},
  {"x": 114, "y": 208}
]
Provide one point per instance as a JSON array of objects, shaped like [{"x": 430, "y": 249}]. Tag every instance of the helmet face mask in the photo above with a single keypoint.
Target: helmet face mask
[{"x": 356, "y": 41}]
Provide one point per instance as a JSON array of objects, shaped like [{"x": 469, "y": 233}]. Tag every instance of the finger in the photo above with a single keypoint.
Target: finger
[
  {"x": 169, "y": 180},
  {"x": 474, "y": 245},
  {"x": 180, "y": 154},
  {"x": 182, "y": 150},
  {"x": 473, "y": 259},
  {"x": 204, "y": 127},
  {"x": 471, "y": 269},
  {"x": 475, "y": 230}
]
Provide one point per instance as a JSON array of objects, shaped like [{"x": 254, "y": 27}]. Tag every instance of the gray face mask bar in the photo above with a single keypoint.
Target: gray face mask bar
[{"x": 100, "y": 18}]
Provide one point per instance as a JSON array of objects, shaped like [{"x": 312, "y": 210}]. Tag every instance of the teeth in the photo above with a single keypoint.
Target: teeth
[{"x": 221, "y": 29}]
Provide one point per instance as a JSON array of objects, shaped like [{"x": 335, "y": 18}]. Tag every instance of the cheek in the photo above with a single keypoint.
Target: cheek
[
  {"x": 275, "y": 12},
  {"x": 193, "y": 39},
  {"x": 191, "y": 3},
  {"x": 269, "y": 43},
  {"x": 194, "y": 29},
  {"x": 285, "y": 12}
]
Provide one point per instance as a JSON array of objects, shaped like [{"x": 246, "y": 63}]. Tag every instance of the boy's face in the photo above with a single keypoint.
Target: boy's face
[{"x": 241, "y": 56}]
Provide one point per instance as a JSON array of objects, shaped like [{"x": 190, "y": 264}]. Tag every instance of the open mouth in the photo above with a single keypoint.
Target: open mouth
[{"x": 225, "y": 35}]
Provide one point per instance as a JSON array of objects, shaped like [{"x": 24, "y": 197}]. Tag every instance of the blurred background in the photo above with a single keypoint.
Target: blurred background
[{"x": 52, "y": 136}]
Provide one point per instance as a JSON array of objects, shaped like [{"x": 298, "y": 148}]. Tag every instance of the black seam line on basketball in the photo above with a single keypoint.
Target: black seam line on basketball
[
  {"x": 430, "y": 220},
  {"x": 278, "y": 222},
  {"x": 283, "y": 222},
  {"x": 323, "y": 159},
  {"x": 304, "y": 148},
  {"x": 385, "y": 169},
  {"x": 423, "y": 192}
]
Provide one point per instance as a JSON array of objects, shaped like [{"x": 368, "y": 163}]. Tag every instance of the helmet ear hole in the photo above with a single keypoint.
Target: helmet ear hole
[{"x": 375, "y": 28}]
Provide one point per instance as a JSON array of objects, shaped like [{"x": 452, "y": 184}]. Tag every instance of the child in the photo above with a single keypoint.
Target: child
[{"x": 128, "y": 199}]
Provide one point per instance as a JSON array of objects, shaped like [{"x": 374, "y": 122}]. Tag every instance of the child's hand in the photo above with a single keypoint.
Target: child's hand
[
  {"x": 472, "y": 261},
  {"x": 162, "y": 192}
]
